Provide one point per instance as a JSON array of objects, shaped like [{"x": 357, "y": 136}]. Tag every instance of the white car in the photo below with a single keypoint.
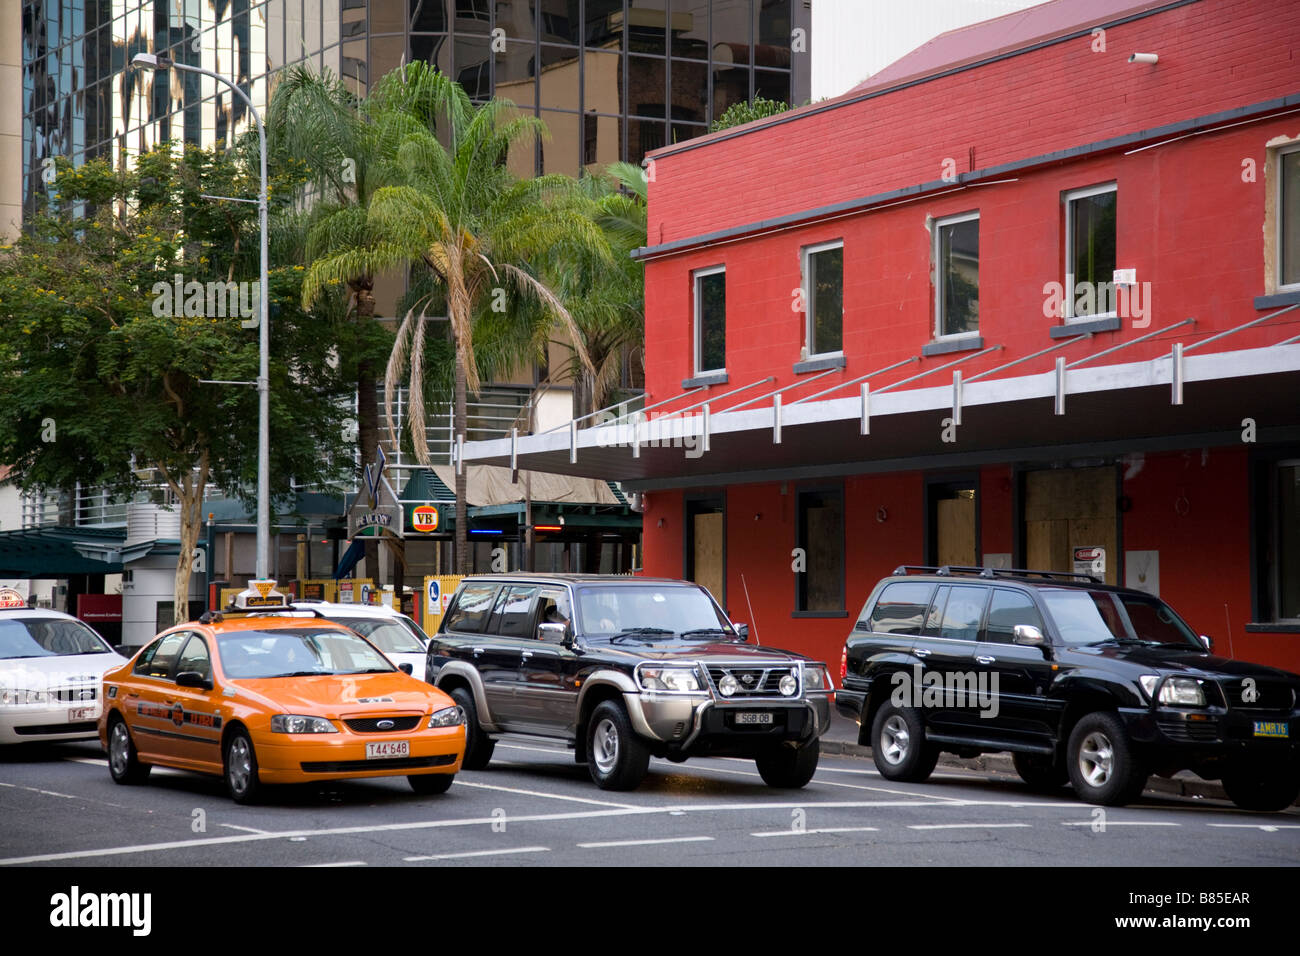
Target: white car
[
  {"x": 51, "y": 673},
  {"x": 396, "y": 635}
]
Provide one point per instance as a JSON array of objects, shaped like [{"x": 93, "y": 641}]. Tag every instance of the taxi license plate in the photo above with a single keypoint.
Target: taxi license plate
[
  {"x": 1271, "y": 728},
  {"x": 80, "y": 713},
  {"x": 384, "y": 749},
  {"x": 753, "y": 717}
]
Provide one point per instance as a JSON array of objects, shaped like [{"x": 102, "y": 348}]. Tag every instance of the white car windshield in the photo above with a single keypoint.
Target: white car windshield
[
  {"x": 297, "y": 652},
  {"x": 47, "y": 637},
  {"x": 387, "y": 635}
]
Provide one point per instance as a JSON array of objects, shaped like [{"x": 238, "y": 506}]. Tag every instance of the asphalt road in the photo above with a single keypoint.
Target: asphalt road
[{"x": 534, "y": 806}]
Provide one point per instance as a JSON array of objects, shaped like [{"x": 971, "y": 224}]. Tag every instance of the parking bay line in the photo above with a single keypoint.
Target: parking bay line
[
  {"x": 1102, "y": 825},
  {"x": 613, "y": 843},
  {"x": 968, "y": 826},
  {"x": 781, "y": 833},
  {"x": 1265, "y": 827},
  {"x": 48, "y": 793},
  {"x": 468, "y": 822},
  {"x": 477, "y": 853},
  {"x": 834, "y": 783},
  {"x": 552, "y": 796},
  {"x": 319, "y": 866}
]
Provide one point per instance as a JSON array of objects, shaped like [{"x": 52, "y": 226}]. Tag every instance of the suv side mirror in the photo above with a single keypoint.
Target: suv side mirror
[
  {"x": 1029, "y": 635},
  {"x": 1208, "y": 642},
  {"x": 552, "y": 632},
  {"x": 193, "y": 679},
  {"x": 742, "y": 631}
]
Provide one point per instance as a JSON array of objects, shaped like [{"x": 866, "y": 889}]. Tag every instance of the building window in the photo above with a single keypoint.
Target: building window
[
  {"x": 1279, "y": 534},
  {"x": 957, "y": 275},
  {"x": 823, "y": 297},
  {"x": 1090, "y": 252},
  {"x": 710, "y": 320},
  {"x": 819, "y": 536},
  {"x": 1289, "y": 219}
]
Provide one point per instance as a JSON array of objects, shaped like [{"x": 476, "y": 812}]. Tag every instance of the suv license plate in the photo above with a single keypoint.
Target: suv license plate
[
  {"x": 1271, "y": 728},
  {"x": 753, "y": 717},
  {"x": 388, "y": 748}
]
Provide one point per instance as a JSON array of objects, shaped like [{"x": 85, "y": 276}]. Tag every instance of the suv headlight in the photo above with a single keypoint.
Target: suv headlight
[
  {"x": 816, "y": 677},
  {"x": 678, "y": 679},
  {"x": 1175, "y": 691},
  {"x": 300, "y": 724},
  {"x": 447, "y": 717}
]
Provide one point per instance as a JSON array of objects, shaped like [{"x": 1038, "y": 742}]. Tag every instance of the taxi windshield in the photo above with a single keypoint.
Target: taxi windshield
[
  {"x": 297, "y": 652},
  {"x": 47, "y": 637},
  {"x": 387, "y": 635}
]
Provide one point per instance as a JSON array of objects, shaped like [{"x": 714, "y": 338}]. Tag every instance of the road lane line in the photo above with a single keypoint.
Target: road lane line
[
  {"x": 781, "y": 833},
  {"x": 1107, "y": 824},
  {"x": 477, "y": 853},
  {"x": 834, "y": 783},
  {"x": 1266, "y": 827},
  {"x": 968, "y": 826},
  {"x": 563, "y": 751},
  {"x": 539, "y": 793},
  {"x": 48, "y": 793},
  {"x": 317, "y": 866},
  {"x": 611, "y": 843},
  {"x": 101, "y": 762},
  {"x": 233, "y": 826}
]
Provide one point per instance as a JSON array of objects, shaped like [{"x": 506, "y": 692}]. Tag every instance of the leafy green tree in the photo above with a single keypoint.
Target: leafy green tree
[
  {"x": 747, "y": 112},
  {"x": 120, "y": 305},
  {"x": 464, "y": 219}
]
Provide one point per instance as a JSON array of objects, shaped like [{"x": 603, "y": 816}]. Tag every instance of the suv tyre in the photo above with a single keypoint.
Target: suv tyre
[
  {"x": 1040, "y": 771},
  {"x": 478, "y": 745},
  {"x": 1262, "y": 788},
  {"x": 1103, "y": 765},
  {"x": 616, "y": 758},
  {"x": 898, "y": 744},
  {"x": 787, "y": 767}
]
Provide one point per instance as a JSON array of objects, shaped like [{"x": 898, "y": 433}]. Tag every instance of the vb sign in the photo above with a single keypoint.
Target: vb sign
[{"x": 424, "y": 518}]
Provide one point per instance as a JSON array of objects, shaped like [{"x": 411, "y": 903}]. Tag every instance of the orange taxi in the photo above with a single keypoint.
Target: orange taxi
[{"x": 276, "y": 696}]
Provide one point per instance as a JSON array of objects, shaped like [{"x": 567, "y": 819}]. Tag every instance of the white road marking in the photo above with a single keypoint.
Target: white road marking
[
  {"x": 299, "y": 835},
  {"x": 968, "y": 776},
  {"x": 777, "y": 833},
  {"x": 1266, "y": 827},
  {"x": 834, "y": 783},
  {"x": 232, "y": 826},
  {"x": 539, "y": 793},
  {"x": 1107, "y": 824},
  {"x": 313, "y": 866},
  {"x": 967, "y": 826},
  {"x": 477, "y": 853},
  {"x": 101, "y": 762},
  {"x": 609, "y": 843},
  {"x": 48, "y": 793},
  {"x": 541, "y": 750}
]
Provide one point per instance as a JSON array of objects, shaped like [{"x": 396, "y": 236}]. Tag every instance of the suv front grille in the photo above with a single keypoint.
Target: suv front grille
[
  {"x": 370, "y": 725},
  {"x": 752, "y": 681},
  {"x": 1265, "y": 696},
  {"x": 1187, "y": 731}
]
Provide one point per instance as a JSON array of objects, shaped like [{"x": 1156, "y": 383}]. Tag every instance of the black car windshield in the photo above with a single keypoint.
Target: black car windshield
[
  {"x": 47, "y": 637},
  {"x": 1095, "y": 617},
  {"x": 387, "y": 635},
  {"x": 652, "y": 612},
  {"x": 296, "y": 652}
]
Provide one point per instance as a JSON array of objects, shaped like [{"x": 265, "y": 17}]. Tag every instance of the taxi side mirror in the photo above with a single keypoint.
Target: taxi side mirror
[{"x": 193, "y": 679}]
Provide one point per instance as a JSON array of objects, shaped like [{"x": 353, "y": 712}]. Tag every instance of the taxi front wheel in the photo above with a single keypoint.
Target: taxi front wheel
[
  {"x": 430, "y": 784},
  {"x": 123, "y": 762},
  {"x": 241, "y": 768}
]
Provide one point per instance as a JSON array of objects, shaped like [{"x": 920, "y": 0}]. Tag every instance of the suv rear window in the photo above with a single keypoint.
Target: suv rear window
[
  {"x": 899, "y": 609},
  {"x": 473, "y": 606}
]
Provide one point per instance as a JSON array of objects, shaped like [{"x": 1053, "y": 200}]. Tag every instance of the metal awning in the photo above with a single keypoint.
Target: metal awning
[{"x": 59, "y": 552}]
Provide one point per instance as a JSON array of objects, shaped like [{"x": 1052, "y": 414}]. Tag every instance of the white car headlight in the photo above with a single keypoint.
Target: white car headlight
[
  {"x": 18, "y": 697},
  {"x": 1176, "y": 691},
  {"x": 679, "y": 679},
  {"x": 300, "y": 724},
  {"x": 447, "y": 717}
]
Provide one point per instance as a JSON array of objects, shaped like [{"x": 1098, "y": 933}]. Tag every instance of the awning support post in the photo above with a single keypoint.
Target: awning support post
[
  {"x": 865, "y": 427},
  {"x": 956, "y": 396},
  {"x": 1060, "y": 386},
  {"x": 1176, "y": 377},
  {"x": 514, "y": 455},
  {"x": 705, "y": 423},
  {"x": 573, "y": 441},
  {"x": 776, "y": 419}
]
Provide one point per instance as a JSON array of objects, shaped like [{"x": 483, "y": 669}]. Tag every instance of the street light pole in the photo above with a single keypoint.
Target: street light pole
[{"x": 161, "y": 61}]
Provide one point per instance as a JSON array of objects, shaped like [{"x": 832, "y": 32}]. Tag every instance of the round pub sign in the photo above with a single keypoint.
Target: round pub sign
[{"x": 424, "y": 518}]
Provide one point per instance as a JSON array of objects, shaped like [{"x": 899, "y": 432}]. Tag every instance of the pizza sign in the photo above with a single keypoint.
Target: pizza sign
[{"x": 424, "y": 518}]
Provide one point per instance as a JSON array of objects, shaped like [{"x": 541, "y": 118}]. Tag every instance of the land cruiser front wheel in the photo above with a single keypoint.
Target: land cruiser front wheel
[
  {"x": 787, "y": 767},
  {"x": 1104, "y": 768},
  {"x": 616, "y": 759},
  {"x": 898, "y": 744}
]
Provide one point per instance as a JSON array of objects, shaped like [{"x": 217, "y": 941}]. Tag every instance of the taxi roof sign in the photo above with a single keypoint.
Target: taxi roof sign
[
  {"x": 12, "y": 597},
  {"x": 258, "y": 595}
]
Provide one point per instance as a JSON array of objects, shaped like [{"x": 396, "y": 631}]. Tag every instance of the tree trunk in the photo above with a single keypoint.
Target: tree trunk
[
  {"x": 464, "y": 560},
  {"x": 367, "y": 412},
  {"x": 191, "y": 505}
]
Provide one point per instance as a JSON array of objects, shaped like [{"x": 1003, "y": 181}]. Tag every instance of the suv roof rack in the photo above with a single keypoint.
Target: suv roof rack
[{"x": 954, "y": 569}]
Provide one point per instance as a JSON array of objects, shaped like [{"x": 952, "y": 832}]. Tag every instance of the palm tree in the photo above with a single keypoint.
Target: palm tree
[{"x": 476, "y": 229}]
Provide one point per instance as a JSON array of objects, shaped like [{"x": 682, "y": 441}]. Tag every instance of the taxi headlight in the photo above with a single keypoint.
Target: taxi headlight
[
  {"x": 447, "y": 717},
  {"x": 299, "y": 724},
  {"x": 17, "y": 697},
  {"x": 680, "y": 679}
]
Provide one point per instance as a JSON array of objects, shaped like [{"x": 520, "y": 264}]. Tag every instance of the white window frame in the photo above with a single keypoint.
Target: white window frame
[
  {"x": 698, "y": 332},
  {"x": 1282, "y": 151},
  {"x": 935, "y": 255},
  {"x": 1067, "y": 199},
  {"x": 805, "y": 254}
]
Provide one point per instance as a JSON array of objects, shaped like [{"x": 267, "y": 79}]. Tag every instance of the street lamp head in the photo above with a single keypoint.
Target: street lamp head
[{"x": 152, "y": 61}]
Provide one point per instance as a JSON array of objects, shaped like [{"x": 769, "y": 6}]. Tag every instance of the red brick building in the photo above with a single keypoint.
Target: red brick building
[{"x": 1028, "y": 297}]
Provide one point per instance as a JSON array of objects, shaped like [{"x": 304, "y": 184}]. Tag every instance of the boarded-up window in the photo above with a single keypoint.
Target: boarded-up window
[{"x": 820, "y": 533}]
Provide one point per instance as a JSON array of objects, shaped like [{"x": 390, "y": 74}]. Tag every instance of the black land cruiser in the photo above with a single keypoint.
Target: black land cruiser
[
  {"x": 624, "y": 668},
  {"x": 1080, "y": 681}
]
